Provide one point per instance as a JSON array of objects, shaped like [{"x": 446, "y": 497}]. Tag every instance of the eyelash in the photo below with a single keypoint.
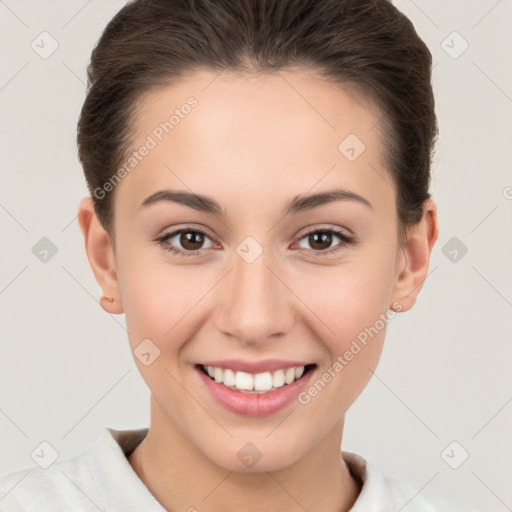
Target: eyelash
[{"x": 347, "y": 240}]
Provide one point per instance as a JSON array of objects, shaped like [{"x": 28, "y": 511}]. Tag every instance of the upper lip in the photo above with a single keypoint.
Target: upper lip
[{"x": 267, "y": 365}]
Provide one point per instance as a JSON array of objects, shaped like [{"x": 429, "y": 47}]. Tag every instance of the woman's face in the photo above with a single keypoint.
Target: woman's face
[{"x": 265, "y": 288}]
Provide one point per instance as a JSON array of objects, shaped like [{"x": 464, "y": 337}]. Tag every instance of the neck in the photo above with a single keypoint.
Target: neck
[{"x": 182, "y": 478}]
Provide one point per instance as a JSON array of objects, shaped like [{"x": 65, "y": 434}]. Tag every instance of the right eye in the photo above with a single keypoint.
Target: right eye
[{"x": 188, "y": 238}]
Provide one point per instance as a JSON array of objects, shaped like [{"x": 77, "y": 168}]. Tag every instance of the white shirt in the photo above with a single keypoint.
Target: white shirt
[{"x": 101, "y": 479}]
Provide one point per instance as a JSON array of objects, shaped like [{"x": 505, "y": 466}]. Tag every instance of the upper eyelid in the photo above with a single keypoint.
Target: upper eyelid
[
  {"x": 324, "y": 227},
  {"x": 185, "y": 229}
]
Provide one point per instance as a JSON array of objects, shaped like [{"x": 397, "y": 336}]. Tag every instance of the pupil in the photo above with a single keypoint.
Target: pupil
[
  {"x": 189, "y": 238},
  {"x": 321, "y": 237}
]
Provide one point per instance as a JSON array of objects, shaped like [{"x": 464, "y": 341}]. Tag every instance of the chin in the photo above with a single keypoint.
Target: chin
[{"x": 256, "y": 454}]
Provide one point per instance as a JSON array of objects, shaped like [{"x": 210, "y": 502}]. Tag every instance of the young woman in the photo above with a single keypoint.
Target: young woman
[{"x": 259, "y": 174}]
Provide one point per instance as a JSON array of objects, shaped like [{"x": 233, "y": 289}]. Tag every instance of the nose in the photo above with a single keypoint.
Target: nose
[{"x": 257, "y": 305}]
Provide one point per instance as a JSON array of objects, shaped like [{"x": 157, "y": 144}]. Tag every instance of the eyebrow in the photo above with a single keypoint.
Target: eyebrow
[{"x": 297, "y": 204}]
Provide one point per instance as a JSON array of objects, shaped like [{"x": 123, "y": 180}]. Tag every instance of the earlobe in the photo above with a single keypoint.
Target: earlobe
[
  {"x": 412, "y": 266},
  {"x": 100, "y": 255}
]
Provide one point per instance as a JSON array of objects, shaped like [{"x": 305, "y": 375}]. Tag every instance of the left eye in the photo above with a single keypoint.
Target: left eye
[{"x": 321, "y": 240}]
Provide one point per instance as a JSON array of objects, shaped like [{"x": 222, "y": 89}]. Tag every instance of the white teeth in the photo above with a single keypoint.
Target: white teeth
[
  {"x": 254, "y": 383},
  {"x": 289, "y": 375},
  {"x": 278, "y": 379},
  {"x": 244, "y": 381},
  {"x": 229, "y": 378},
  {"x": 263, "y": 381},
  {"x": 218, "y": 374}
]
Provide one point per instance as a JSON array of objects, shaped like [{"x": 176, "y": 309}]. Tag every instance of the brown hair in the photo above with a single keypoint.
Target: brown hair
[{"x": 366, "y": 46}]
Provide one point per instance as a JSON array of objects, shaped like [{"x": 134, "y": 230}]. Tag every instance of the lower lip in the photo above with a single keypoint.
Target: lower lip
[{"x": 254, "y": 404}]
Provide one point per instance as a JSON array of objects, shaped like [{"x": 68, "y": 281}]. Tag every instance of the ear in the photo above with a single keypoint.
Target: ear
[
  {"x": 414, "y": 258},
  {"x": 100, "y": 254}
]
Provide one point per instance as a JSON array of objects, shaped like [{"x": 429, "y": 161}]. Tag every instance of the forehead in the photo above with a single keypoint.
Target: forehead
[{"x": 284, "y": 131}]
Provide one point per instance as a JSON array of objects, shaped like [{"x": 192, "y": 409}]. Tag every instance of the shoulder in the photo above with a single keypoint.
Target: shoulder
[
  {"x": 98, "y": 478},
  {"x": 65, "y": 485},
  {"x": 381, "y": 493}
]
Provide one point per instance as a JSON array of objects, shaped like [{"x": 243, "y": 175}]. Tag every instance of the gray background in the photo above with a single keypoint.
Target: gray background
[{"x": 65, "y": 368}]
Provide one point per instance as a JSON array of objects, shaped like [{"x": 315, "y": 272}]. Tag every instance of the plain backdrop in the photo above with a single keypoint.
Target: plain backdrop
[{"x": 442, "y": 390}]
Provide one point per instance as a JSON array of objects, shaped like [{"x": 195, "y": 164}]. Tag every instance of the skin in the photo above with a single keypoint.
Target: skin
[{"x": 253, "y": 143}]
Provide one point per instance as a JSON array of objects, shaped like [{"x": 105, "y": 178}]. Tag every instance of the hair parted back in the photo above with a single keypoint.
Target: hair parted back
[{"x": 368, "y": 47}]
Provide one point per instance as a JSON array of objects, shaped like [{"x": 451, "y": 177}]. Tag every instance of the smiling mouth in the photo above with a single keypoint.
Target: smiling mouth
[{"x": 256, "y": 383}]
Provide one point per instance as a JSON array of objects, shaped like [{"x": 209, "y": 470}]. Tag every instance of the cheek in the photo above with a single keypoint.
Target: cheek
[
  {"x": 159, "y": 307},
  {"x": 348, "y": 299},
  {"x": 161, "y": 303},
  {"x": 351, "y": 318}
]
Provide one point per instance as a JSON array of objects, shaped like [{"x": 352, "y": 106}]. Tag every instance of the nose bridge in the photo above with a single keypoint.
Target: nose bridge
[
  {"x": 257, "y": 304},
  {"x": 252, "y": 278}
]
